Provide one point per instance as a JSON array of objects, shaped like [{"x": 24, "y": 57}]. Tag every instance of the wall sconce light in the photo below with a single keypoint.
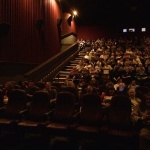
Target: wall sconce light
[
  {"x": 72, "y": 16},
  {"x": 75, "y": 13}
]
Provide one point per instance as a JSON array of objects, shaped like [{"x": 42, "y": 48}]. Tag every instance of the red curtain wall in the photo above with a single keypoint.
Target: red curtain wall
[{"x": 33, "y": 33}]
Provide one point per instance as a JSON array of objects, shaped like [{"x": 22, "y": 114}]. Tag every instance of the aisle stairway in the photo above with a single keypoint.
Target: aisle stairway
[{"x": 61, "y": 76}]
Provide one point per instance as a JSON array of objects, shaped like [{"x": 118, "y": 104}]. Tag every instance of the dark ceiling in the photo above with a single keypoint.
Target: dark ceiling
[{"x": 111, "y": 11}]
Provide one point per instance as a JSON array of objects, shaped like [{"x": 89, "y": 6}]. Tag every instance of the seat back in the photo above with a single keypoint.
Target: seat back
[
  {"x": 65, "y": 107},
  {"x": 90, "y": 109},
  {"x": 40, "y": 105},
  {"x": 120, "y": 112},
  {"x": 141, "y": 91},
  {"x": 16, "y": 102},
  {"x": 72, "y": 90},
  {"x": 32, "y": 90},
  {"x": 1, "y": 98},
  {"x": 40, "y": 84},
  {"x": 58, "y": 86}
]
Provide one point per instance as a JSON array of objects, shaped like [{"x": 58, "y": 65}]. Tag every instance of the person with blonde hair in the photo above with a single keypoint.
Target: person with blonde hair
[{"x": 135, "y": 101}]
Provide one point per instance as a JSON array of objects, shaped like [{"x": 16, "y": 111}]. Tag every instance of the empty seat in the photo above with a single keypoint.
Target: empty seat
[
  {"x": 90, "y": 120},
  {"x": 13, "y": 111},
  {"x": 40, "y": 84},
  {"x": 120, "y": 129},
  {"x": 37, "y": 115},
  {"x": 90, "y": 115},
  {"x": 58, "y": 86},
  {"x": 74, "y": 91},
  {"x": 62, "y": 117}
]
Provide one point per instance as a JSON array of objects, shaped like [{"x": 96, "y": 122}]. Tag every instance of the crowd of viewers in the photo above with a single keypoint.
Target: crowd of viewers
[
  {"x": 127, "y": 61},
  {"x": 108, "y": 68}
]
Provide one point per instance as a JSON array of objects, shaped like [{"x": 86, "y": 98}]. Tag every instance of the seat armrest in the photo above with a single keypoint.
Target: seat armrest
[
  {"x": 49, "y": 113},
  {"x": 2, "y": 109},
  {"x": 53, "y": 100},
  {"x": 23, "y": 111},
  {"x": 76, "y": 115}
]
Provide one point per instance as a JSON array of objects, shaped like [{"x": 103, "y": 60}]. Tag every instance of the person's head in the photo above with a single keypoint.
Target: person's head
[
  {"x": 93, "y": 81},
  {"x": 89, "y": 89},
  {"x": 147, "y": 100},
  {"x": 119, "y": 80},
  {"x": 31, "y": 84},
  {"x": 127, "y": 70},
  {"x": 48, "y": 85},
  {"x": 9, "y": 85},
  {"x": 131, "y": 92},
  {"x": 133, "y": 82},
  {"x": 110, "y": 91}
]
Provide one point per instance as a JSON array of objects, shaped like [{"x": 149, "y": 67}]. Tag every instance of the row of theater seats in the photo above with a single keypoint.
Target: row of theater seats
[{"x": 91, "y": 122}]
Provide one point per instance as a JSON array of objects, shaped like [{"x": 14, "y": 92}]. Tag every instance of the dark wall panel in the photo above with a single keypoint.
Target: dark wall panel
[
  {"x": 93, "y": 32},
  {"x": 32, "y": 36}
]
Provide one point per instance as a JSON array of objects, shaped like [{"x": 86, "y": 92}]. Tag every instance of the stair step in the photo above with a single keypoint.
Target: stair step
[
  {"x": 62, "y": 75},
  {"x": 73, "y": 64},
  {"x": 78, "y": 58},
  {"x": 64, "y": 72},
  {"x": 60, "y": 78},
  {"x": 75, "y": 61},
  {"x": 60, "y": 82},
  {"x": 81, "y": 53},
  {"x": 69, "y": 66},
  {"x": 68, "y": 69}
]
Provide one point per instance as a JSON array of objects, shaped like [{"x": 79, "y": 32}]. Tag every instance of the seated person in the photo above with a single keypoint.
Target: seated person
[
  {"x": 107, "y": 96},
  {"x": 69, "y": 82},
  {"x": 140, "y": 73},
  {"x": 118, "y": 84},
  {"x": 48, "y": 88},
  {"x": 74, "y": 72},
  {"x": 120, "y": 87},
  {"x": 141, "y": 119},
  {"x": 133, "y": 85},
  {"x": 135, "y": 101},
  {"x": 127, "y": 76},
  {"x": 52, "y": 93}
]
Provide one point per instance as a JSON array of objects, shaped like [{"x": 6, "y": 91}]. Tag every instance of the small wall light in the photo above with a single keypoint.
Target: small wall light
[{"x": 75, "y": 13}]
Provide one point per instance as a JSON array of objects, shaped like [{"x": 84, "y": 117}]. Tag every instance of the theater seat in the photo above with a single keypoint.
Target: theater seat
[
  {"x": 74, "y": 91},
  {"x": 141, "y": 91},
  {"x": 37, "y": 114},
  {"x": 120, "y": 129},
  {"x": 90, "y": 121},
  {"x": 1, "y": 99},
  {"x": 63, "y": 114},
  {"x": 12, "y": 113}
]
